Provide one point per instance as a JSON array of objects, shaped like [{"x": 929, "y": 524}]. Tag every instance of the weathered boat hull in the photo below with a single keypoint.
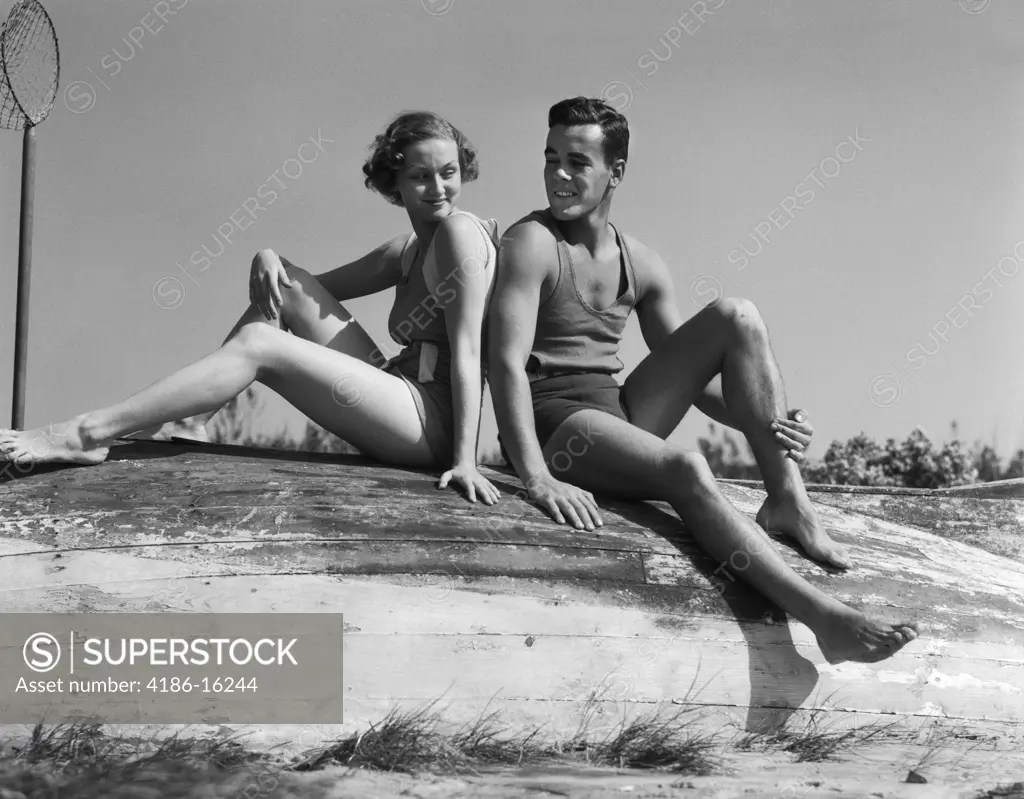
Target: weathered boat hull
[{"x": 500, "y": 605}]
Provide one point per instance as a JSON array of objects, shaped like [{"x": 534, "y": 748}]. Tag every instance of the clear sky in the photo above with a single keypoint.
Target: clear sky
[{"x": 884, "y": 266}]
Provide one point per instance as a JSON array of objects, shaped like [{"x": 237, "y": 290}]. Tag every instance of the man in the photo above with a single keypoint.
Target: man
[{"x": 567, "y": 281}]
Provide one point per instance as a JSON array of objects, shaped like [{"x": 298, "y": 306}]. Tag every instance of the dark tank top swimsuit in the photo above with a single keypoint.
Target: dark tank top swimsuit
[{"x": 575, "y": 349}]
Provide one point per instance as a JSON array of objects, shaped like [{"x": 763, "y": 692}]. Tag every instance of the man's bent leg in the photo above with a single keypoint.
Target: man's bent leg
[
  {"x": 601, "y": 453},
  {"x": 731, "y": 339}
]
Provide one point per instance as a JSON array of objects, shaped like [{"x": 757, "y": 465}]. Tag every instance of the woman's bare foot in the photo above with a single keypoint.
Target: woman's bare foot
[
  {"x": 56, "y": 443},
  {"x": 797, "y": 518},
  {"x": 850, "y": 635},
  {"x": 191, "y": 427}
]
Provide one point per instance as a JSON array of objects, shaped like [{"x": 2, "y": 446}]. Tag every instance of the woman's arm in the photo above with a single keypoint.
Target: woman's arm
[
  {"x": 377, "y": 270},
  {"x": 464, "y": 279}
]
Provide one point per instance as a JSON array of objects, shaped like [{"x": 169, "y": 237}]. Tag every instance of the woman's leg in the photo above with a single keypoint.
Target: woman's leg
[
  {"x": 308, "y": 311},
  {"x": 311, "y": 312},
  {"x": 369, "y": 408}
]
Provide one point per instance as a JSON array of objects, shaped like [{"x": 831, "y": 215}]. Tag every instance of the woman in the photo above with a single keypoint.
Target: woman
[{"x": 420, "y": 408}]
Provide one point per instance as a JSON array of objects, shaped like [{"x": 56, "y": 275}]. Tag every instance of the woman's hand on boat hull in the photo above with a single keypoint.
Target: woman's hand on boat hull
[{"x": 474, "y": 483}]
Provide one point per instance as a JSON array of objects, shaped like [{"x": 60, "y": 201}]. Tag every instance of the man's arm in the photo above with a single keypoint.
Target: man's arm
[
  {"x": 511, "y": 331},
  {"x": 659, "y": 317},
  {"x": 524, "y": 261}
]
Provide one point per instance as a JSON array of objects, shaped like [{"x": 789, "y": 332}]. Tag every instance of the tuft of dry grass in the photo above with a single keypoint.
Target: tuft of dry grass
[
  {"x": 938, "y": 753},
  {"x": 80, "y": 760},
  {"x": 402, "y": 741},
  {"x": 814, "y": 742},
  {"x": 410, "y": 742},
  {"x": 485, "y": 741},
  {"x": 658, "y": 740}
]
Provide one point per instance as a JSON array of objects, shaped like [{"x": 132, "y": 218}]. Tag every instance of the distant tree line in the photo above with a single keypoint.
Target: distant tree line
[{"x": 916, "y": 462}]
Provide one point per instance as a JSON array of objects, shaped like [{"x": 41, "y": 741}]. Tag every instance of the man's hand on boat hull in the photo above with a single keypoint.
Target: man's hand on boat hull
[{"x": 565, "y": 502}]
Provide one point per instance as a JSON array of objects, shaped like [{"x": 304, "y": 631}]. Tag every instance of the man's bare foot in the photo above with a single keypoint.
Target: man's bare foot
[
  {"x": 56, "y": 443},
  {"x": 797, "y": 518},
  {"x": 850, "y": 635}
]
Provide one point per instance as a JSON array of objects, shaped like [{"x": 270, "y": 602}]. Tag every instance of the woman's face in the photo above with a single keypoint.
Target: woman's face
[{"x": 429, "y": 179}]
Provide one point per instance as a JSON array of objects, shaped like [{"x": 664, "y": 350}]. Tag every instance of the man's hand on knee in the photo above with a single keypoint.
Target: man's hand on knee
[
  {"x": 794, "y": 434},
  {"x": 565, "y": 502}
]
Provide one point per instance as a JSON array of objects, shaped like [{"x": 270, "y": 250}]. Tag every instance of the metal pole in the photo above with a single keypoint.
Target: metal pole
[{"x": 28, "y": 173}]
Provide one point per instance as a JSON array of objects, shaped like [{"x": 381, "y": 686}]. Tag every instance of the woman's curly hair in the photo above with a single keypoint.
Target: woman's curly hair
[{"x": 381, "y": 168}]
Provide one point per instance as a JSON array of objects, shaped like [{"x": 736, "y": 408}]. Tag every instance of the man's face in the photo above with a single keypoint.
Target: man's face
[{"x": 575, "y": 174}]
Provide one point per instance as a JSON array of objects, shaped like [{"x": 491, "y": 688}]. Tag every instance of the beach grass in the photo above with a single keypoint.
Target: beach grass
[{"x": 84, "y": 761}]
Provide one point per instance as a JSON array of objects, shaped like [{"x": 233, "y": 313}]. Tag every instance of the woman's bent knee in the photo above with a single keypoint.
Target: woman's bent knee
[
  {"x": 300, "y": 279},
  {"x": 295, "y": 298},
  {"x": 254, "y": 339},
  {"x": 295, "y": 273}
]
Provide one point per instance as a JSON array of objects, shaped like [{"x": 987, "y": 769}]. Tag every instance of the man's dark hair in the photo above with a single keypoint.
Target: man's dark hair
[{"x": 591, "y": 111}]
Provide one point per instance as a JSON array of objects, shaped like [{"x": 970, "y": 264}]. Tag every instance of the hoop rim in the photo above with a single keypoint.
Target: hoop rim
[{"x": 51, "y": 102}]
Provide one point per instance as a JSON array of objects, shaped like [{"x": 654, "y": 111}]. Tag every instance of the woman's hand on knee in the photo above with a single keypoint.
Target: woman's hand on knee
[
  {"x": 266, "y": 276},
  {"x": 474, "y": 483}
]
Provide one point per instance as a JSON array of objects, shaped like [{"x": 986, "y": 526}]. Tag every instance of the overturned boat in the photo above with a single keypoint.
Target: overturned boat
[{"x": 500, "y": 608}]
